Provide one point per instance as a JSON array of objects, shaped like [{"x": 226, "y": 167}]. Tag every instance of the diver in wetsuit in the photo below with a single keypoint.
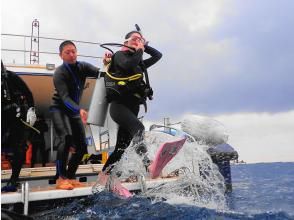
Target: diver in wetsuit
[
  {"x": 67, "y": 116},
  {"x": 125, "y": 97},
  {"x": 17, "y": 114}
]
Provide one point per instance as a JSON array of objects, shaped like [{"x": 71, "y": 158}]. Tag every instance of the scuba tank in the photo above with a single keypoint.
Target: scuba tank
[{"x": 99, "y": 104}]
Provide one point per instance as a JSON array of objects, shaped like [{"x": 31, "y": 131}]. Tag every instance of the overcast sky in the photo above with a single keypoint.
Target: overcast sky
[{"x": 228, "y": 59}]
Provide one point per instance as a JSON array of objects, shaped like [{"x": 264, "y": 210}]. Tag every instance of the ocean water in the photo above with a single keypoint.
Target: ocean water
[{"x": 260, "y": 191}]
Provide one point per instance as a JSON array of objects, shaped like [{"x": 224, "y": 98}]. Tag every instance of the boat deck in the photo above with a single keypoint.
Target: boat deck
[
  {"x": 50, "y": 192},
  {"x": 32, "y": 189},
  {"x": 36, "y": 185},
  {"x": 49, "y": 172}
]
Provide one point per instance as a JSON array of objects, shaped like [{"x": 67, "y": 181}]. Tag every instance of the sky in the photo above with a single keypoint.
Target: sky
[{"x": 231, "y": 60}]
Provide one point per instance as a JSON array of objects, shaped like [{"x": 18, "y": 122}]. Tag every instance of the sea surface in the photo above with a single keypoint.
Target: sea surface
[{"x": 260, "y": 191}]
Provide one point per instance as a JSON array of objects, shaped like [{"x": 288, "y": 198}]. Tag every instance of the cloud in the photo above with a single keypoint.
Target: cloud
[
  {"x": 261, "y": 137},
  {"x": 243, "y": 64},
  {"x": 218, "y": 56}
]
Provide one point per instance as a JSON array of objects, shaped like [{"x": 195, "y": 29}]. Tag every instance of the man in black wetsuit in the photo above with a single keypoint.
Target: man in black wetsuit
[
  {"x": 17, "y": 115},
  {"x": 125, "y": 97},
  {"x": 67, "y": 116}
]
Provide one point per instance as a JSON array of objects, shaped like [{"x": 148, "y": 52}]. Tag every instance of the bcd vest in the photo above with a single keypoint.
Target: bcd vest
[{"x": 118, "y": 87}]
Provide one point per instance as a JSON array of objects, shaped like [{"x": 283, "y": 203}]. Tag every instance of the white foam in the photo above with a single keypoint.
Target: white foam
[
  {"x": 204, "y": 129},
  {"x": 200, "y": 182}
]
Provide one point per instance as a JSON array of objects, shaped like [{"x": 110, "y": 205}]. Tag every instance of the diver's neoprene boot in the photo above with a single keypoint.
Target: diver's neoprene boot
[{"x": 11, "y": 186}]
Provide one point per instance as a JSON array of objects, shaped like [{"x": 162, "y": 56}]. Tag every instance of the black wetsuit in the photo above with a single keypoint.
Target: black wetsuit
[
  {"x": 124, "y": 107},
  {"x": 38, "y": 141},
  {"x": 69, "y": 81},
  {"x": 16, "y": 99}
]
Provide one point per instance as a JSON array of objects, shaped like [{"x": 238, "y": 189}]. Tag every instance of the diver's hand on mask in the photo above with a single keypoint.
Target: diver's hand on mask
[
  {"x": 142, "y": 46},
  {"x": 31, "y": 116},
  {"x": 139, "y": 45}
]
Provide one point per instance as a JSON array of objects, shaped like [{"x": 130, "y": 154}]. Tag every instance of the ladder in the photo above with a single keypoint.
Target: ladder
[{"x": 35, "y": 43}]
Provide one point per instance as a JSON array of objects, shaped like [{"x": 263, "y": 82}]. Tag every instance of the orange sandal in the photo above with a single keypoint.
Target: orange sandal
[{"x": 64, "y": 184}]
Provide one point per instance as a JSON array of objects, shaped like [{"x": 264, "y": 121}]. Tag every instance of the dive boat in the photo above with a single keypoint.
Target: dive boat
[{"x": 38, "y": 184}]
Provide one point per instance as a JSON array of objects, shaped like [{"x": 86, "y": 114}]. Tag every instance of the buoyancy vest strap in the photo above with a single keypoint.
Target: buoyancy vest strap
[
  {"x": 27, "y": 124},
  {"x": 130, "y": 78}
]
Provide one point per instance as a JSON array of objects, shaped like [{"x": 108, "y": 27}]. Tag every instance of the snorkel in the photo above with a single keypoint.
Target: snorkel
[
  {"x": 138, "y": 28},
  {"x": 124, "y": 47}
]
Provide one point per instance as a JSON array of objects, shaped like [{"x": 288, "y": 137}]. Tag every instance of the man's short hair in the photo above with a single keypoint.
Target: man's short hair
[{"x": 64, "y": 43}]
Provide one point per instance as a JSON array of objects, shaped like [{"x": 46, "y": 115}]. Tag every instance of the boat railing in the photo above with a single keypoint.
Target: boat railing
[{"x": 37, "y": 52}]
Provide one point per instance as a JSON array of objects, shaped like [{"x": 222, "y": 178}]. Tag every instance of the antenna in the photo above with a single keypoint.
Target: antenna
[{"x": 34, "y": 52}]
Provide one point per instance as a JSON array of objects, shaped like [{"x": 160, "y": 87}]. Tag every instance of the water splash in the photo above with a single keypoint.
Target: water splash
[
  {"x": 205, "y": 130},
  {"x": 199, "y": 181}
]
